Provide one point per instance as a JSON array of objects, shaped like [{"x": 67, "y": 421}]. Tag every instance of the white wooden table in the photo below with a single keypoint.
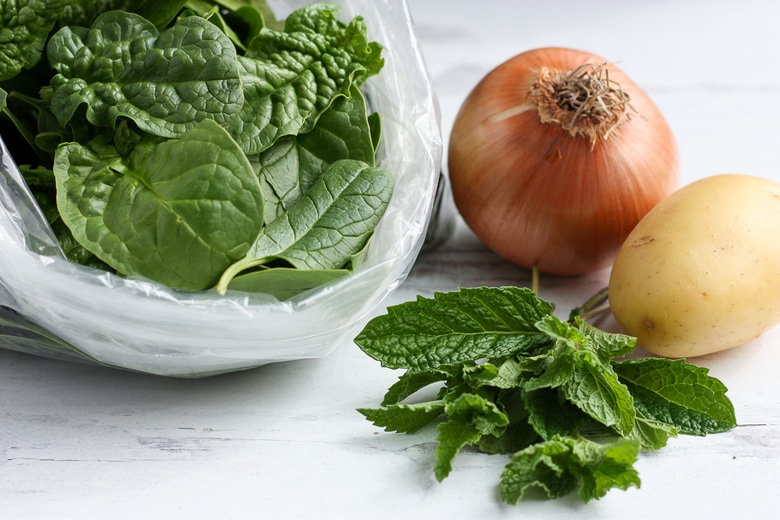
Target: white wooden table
[{"x": 285, "y": 441}]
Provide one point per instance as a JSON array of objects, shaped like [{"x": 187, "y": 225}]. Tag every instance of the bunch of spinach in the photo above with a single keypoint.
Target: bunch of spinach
[
  {"x": 560, "y": 396},
  {"x": 197, "y": 143}
]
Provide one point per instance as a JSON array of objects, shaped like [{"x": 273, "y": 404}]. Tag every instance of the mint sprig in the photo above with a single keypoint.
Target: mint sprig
[{"x": 514, "y": 378}]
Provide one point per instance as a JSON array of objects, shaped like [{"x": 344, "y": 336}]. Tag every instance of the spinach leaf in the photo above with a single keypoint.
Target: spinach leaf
[
  {"x": 288, "y": 169},
  {"x": 165, "y": 82},
  {"x": 326, "y": 226},
  {"x": 84, "y": 12},
  {"x": 241, "y": 23},
  {"x": 24, "y": 27},
  {"x": 284, "y": 283},
  {"x": 43, "y": 184},
  {"x": 138, "y": 99},
  {"x": 291, "y": 77},
  {"x": 176, "y": 211},
  {"x": 332, "y": 221}
]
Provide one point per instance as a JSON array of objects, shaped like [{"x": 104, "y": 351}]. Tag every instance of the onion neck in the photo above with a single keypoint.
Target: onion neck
[{"x": 583, "y": 101}]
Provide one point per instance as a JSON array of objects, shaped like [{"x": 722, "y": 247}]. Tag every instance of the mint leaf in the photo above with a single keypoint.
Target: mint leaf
[
  {"x": 603, "y": 467},
  {"x": 516, "y": 436},
  {"x": 652, "y": 434},
  {"x": 515, "y": 378},
  {"x": 409, "y": 383},
  {"x": 608, "y": 344},
  {"x": 456, "y": 327},
  {"x": 470, "y": 417},
  {"x": 584, "y": 376},
  {"x": 596, "y": 390},
  {"x": 508, "y": 375},
  {"x": 454, "y": 434},
  {"x": 543, "y": 466},
  {"x": 679, "y": 394},
  {"x": 560, "y": 465},
  {"x": 551, "y": 414},
  {"x": 404, "y": 418}
]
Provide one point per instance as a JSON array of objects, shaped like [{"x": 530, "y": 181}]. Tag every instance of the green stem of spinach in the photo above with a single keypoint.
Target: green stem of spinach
[{"x": 235, "y": 269}]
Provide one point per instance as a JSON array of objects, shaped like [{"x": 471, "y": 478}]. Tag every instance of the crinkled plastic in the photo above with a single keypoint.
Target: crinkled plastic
[{"x": 51, "y": 307}]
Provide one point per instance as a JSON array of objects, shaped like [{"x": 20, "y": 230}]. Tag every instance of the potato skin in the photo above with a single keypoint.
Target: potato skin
[{"x": 700, "y": 273}]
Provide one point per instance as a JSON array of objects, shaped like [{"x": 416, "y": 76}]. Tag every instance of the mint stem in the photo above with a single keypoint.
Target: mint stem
[
  {"x": 535, "y": 279},
  {"x": 595, "y": 306}
]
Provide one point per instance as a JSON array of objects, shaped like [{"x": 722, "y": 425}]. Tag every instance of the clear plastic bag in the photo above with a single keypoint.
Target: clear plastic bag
[{"x": 49, "y": 306}]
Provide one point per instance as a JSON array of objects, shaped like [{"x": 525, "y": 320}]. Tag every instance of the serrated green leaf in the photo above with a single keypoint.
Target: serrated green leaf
[
  {"x": 595, "y": 389},
  {"x": 561, "y": 331},
  {"x": 457, "y": 327},
  {"x": 600, "y": 468},
  {"x": 483, "y": 413},
  {"x": 454, "y": 434},
  {"x": 411, "y": 382},
  {"x": 517, "y": 436},
  {"x": 509, "y": 374},
  {"x": 652, "y": 434},
  {"x": 608, "y": 344},
  {"x": 541, "y": 466},
  {"x": 560, "y": 465},
  {"x": 679, "y": 394},
  {"x": 558, "y": 370},
  {"x": 404, "y": 418},
  {"x": 469, "y": 418},
  {"x": 584, "y": 376},
  {"x": 551, "y": 415}
]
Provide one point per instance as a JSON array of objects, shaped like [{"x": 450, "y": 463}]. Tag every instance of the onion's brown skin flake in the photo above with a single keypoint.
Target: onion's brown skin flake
[{"x": 558, "y": 195}]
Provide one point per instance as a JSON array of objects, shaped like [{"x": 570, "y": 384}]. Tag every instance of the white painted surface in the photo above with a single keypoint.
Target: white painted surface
[{"x": 284, "y": 441}]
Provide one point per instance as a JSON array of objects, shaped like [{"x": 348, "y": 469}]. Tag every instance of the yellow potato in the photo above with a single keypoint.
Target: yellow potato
[{"x": 700, "y": 273}]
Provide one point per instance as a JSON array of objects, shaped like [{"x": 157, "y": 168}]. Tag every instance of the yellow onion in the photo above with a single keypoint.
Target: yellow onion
[{"x": 555, "y": 156}]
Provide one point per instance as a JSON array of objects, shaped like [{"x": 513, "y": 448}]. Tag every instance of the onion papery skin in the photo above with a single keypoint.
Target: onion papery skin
[{"x": 541, "y": 197}]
